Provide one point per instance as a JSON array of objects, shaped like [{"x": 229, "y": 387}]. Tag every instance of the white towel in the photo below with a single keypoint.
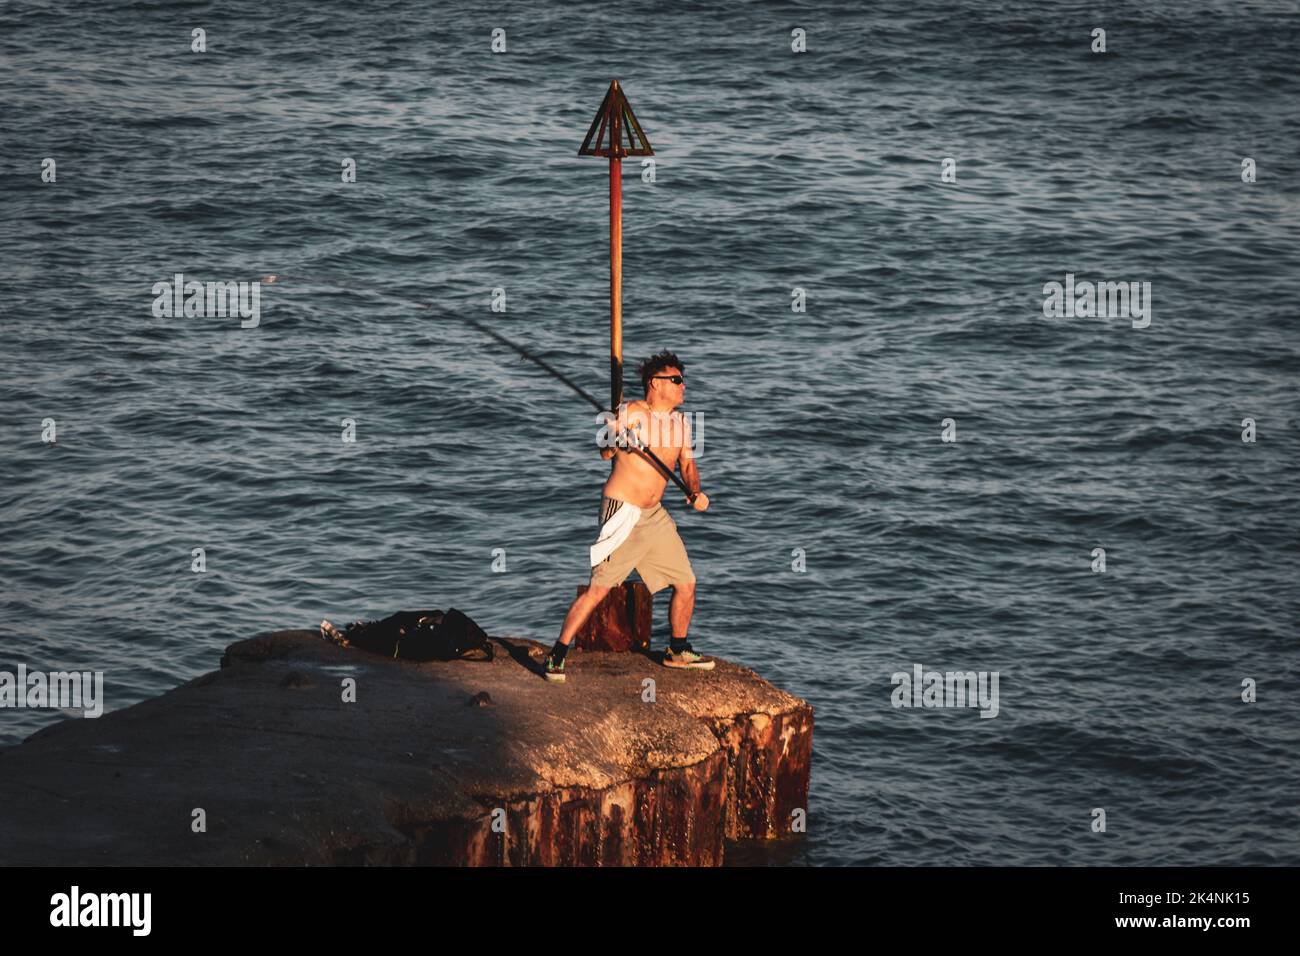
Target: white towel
[{"x": 615, "y": 531}]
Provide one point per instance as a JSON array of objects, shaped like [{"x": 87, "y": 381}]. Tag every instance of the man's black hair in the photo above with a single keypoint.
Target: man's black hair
[{"x": 656, "y": 364}]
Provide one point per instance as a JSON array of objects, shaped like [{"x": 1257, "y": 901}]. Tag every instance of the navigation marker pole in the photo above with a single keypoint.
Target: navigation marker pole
[{"x": 615, "y": 133}]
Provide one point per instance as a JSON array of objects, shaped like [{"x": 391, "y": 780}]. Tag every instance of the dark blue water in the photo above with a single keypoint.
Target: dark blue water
[{"x": 1119, "y": 690}]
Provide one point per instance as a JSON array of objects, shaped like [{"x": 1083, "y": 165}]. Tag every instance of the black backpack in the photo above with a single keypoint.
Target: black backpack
[{"x": 421, "y": 636}]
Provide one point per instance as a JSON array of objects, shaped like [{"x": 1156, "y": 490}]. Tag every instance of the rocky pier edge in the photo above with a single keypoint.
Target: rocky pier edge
[{"x": 268, "y": 762}]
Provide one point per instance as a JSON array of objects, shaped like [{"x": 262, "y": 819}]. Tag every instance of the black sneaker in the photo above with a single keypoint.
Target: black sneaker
[{"x": 554, "y": 672}]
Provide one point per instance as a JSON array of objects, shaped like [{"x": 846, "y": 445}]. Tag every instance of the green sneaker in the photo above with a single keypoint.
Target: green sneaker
[
  {"x": 687, "y": 658},
  {"x": 554, "y": 671}
]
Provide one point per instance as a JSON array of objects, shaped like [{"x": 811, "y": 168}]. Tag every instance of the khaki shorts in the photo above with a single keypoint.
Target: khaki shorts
[{"x": 654, "y": 548}]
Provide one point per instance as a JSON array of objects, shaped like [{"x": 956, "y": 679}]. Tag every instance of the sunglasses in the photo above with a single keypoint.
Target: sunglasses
[{"x": 675, "y": 379}]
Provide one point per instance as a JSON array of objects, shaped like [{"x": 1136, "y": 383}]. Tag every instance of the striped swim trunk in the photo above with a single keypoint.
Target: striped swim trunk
[{"x": 654, "y": 549}]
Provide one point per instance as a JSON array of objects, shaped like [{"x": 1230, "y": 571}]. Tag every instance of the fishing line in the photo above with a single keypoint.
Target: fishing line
[{"x": 624, "y": 434}]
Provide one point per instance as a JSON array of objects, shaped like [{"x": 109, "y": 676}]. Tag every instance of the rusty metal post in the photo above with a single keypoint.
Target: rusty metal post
[
  {"x": 615, "y": 282},
  {"x": 615, "y": 133}
]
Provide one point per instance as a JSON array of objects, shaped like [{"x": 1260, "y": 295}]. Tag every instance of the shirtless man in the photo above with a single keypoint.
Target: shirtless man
[{"x": 636, "y": 531}]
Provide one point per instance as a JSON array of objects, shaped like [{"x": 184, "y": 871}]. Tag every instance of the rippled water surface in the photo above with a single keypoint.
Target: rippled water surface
[{"x": 1118, "y": 690}]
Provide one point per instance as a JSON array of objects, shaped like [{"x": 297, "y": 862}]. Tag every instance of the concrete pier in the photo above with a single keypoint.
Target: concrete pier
[{"x": 268, "y": 762}]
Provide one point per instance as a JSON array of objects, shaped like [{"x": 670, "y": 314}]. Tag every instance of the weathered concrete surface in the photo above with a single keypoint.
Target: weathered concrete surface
[{"x": 581, "y": 773}]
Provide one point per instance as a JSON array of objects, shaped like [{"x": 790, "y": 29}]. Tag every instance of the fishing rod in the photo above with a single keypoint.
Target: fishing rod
[{"x": 624, "y": 434}]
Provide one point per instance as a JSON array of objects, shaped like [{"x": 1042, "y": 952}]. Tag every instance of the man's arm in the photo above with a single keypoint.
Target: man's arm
[
  {"x": 616, "y": 424},
  {"x": 611, "y": 431},
  {"x": 691, "y": 471}
]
